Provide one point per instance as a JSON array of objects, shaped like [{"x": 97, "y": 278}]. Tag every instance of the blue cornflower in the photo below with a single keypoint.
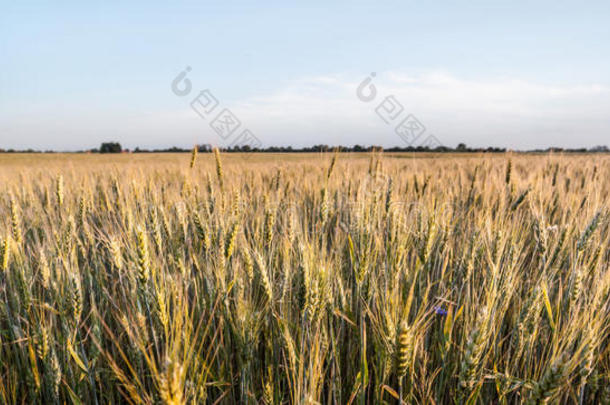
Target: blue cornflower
[{"x": 440, "y": 311}]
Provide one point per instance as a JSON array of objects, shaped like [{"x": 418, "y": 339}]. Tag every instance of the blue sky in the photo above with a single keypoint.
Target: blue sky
[{"x": 514, "y": 74}]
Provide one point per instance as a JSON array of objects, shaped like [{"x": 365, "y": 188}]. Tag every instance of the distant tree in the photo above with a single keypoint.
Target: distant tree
[
  {"x": 111, "y": 147},
  {"x": 461, "y": 147}
]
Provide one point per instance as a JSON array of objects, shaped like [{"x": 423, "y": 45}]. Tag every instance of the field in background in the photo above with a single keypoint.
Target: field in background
[{"x": 304, "y": 278}]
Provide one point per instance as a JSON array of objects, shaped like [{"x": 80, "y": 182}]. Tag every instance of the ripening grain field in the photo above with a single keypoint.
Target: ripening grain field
[{"x": 304, "y": 279}]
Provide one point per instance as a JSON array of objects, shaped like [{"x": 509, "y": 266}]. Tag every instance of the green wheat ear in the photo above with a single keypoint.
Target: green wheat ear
[
  {"x": 264, "y": 277},
  {"x": 403, "y": 352},
  {"x": 588, "y": 232},
  {"x": 219, "y": 168},
  {"x": 54, "y": 373},
  {"x": 230, "y": 244},
  {"x": 76, "y": 298},
  {"x": 473, "y": 351},
  {"x": 549, "y": 383}
]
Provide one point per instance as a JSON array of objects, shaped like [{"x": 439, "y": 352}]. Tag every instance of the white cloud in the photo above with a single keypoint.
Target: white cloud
[
  {"x": 502, "y": 112},
  {"x": 494, "y": 112}
]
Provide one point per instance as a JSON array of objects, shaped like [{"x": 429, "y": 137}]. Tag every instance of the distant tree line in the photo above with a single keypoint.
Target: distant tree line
[
  {"x": 110, "y": 147},
  {"x": 115, "y": 147}
]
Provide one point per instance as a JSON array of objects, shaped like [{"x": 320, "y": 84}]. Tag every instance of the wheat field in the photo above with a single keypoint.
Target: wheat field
[{"x": 304, "y": 279}]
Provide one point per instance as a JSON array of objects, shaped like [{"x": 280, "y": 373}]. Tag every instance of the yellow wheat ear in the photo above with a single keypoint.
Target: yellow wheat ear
[
  {"x": 5, "y": 251},
  {"x": 193, "y": 156},
  {"x": 171, "y": 384},
  {"x": 404, "y": 349},
  {"x": 59, "y": 190},
  {"x": 471, "y": 279},
  {"x": 15, "y": 222},
  {"x": 143, "y": 259}
]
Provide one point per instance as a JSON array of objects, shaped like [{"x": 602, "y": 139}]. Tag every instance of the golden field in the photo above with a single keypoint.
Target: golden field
[{"x": 304, "y": 278}]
